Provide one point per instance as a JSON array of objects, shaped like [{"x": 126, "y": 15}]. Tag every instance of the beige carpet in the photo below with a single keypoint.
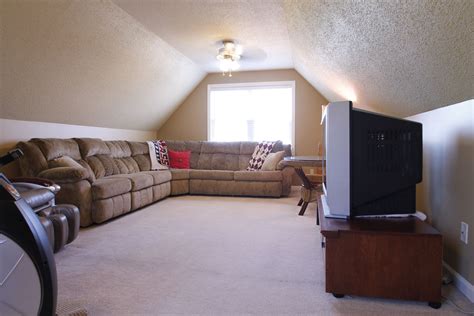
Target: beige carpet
[{"x": 209, "y": 255}]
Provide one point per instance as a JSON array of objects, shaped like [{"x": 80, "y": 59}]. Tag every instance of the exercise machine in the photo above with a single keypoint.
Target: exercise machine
[{"x": 28, "y": 280}]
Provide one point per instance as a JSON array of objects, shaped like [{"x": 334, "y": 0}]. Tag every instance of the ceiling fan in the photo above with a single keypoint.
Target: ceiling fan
[{"x": 230, "y": 53}]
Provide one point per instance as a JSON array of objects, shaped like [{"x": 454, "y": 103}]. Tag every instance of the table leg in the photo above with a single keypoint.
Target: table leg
[
  {"x": 317, "y": 214},
  {"x": 303, "y": 208}
]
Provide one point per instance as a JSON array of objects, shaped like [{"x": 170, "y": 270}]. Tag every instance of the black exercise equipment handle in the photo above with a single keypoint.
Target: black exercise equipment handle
[{"x": 12, "y": 155}]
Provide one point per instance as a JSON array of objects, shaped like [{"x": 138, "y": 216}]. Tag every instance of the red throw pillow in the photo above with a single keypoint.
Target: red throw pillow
[{"x": 179, "y": 159}]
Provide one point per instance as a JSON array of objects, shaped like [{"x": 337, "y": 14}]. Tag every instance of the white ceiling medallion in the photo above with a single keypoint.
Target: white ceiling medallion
[{"x": 229, "y": 56}]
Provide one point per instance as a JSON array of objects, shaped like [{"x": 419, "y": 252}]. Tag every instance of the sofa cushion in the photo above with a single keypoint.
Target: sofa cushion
[
  {"x": 140, "y": 154},
  {"x": 193, "y": 146},
  {"x": 244, "y": 161},
  {"x": 219, "y": 156},
  {"x": 143, "y": 162},
  {"x": 211, "y": 174},
  {"x": 65, "y": 174},
  {"x": 221, "y": 147},
  {"x": 102, "y": 165},
  {"x": 33, "y": 160},
  {"x": 257, "y": 175},
  {"x": 218, "y": 161},
  {"x": 278, "y": 146},
  {"x": 63, "y": 161},
  {"x": 159, "y": 177},
  {"x": 247, "y": 148},
  {"x": 125, "y": 165},
  {"x": 179, "y": 174},
  {"x": 119, "y": 148},
  {"x": 55, "y": 147},
  {"x": 138, "y": 148},
  {"x": 110, "y": 186},
  {"x": 139, "y": 180},
  {"x": 92, "y": 147}
]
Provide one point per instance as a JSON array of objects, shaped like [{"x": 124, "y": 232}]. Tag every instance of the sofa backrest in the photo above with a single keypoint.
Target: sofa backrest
[
  {"x": 33, "y": 161},
  {"x": 221, "y": 155},
  {"x": 39, "y": 152},
  {"x": 105, "y": 158},
  {"x": 247, "y": 149},
  {"x": 122, "y": 156},
  {"x": 97, "y": 154},
  {"x": 193, "y": 146},
  {"x": 139, "y": 152}
]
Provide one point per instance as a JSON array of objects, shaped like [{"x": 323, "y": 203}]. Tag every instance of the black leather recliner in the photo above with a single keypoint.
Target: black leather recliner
[{"x": 61, "y": 222}]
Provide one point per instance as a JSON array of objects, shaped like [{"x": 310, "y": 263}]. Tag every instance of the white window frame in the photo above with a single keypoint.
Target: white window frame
[{"x": 242, "y": 85}]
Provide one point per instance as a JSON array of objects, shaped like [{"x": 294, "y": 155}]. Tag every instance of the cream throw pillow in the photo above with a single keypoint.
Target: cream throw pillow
[
  {"x": 64, "y": 161},
  {"x": 272, "y": 160}
]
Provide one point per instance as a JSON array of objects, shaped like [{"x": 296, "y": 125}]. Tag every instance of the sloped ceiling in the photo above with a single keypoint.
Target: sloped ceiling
[
  {"x": 88, "y": 63},
  {"x": 130, "y": 63},
  {"x": 197, "y": 28},
  {"x": 397, "y": 57}
]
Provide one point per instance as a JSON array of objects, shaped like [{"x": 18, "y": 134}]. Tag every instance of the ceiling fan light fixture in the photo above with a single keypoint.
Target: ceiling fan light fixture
[{"x": 228, "y": 56}]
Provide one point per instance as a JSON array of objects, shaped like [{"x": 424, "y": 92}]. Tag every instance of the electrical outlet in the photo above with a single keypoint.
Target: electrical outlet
[
  {"x": 311, "y": 171},
  {"x": 464, "y": 232}
]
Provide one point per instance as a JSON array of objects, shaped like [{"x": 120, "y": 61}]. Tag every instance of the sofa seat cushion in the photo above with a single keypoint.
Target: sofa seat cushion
[
  {"x": 179, "y": 174},
  {"x": 258, "y": 176},
  {"x": 159, "y": 177},
  {"x": 211, "y": 174},
  {"x": 110, "y": 186},
  {"x": 139, "y": 180}
]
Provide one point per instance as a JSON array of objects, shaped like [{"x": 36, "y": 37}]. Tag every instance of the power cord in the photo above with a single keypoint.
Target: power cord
[{"x": 457, "y": 306}]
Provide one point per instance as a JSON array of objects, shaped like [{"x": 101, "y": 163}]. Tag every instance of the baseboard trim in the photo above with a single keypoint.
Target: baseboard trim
[{"x": 461, "y": 283}]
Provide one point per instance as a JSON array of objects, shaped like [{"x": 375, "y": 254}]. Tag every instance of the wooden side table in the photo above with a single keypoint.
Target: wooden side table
[
  {"x": 298, "y": 162},
  {"x": 399, "y": 258}
]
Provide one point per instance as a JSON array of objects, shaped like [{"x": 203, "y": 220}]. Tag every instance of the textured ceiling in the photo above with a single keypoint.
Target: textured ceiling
[
  {"x": 88, "y": 63},
  {"x": 130, "y": 63},
  {"x": 398, "y": 57},
  {"x": 196, "y": 27}
]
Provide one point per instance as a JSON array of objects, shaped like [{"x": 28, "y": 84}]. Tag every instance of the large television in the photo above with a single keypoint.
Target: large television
[{"x": 372, "y": 163}]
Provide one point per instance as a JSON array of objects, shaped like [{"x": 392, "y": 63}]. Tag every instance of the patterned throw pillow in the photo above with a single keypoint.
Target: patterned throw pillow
[
  {"x": 259, "y": 154},
  {"x": 161, "y": 150}
]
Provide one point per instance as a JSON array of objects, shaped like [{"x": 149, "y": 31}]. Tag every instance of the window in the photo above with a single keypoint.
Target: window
[{"x": 251, "y": 112}]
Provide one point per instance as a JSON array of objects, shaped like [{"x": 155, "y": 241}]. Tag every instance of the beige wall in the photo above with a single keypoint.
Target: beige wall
[
  {"x": 189, "y": 122},
  {"x": 13, "y": 131},
  {"x": 88, "y": 63},
  {"x": 447, "y": 190}
]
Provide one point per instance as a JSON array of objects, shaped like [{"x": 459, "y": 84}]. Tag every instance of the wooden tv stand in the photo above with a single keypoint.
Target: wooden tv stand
[{"x": 399, "y": 258}]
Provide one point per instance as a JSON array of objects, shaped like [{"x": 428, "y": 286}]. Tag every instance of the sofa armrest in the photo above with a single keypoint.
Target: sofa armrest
[
  {"x": 282, "y": 165},
  {"x": 287, "y": 179},
  {"x": 65, "y": 174}
]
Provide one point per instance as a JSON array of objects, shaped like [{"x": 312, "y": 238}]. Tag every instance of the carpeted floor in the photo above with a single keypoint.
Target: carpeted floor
[{"x": 209, "y": 255}]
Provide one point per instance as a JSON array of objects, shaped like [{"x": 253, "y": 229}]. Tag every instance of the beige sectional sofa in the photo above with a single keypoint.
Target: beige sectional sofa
[{"x": 106, "y": 179}]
